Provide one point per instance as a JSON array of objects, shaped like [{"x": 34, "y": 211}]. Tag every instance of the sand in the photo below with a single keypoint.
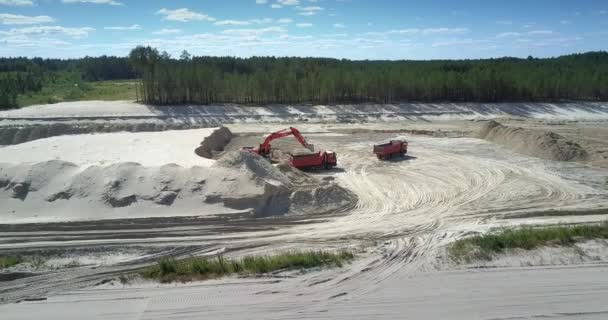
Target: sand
[
  {"x": 145, "y": 148},
  {"x": 543, "y": 144}
]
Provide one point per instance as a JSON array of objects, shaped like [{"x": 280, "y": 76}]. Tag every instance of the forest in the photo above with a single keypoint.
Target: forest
[
  {"x": 20, "y": 76},
  {"x": 202, "y": 80}
]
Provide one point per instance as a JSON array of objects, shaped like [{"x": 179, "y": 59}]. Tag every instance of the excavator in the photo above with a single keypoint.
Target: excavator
[{"x": 319, "y": 159}]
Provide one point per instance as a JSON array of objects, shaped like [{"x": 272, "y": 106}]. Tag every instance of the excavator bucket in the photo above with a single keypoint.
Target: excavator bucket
[{"x": 310, "y": 147}]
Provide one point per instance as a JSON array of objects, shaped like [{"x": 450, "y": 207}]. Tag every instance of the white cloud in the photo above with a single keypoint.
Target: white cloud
[
  {"x": 75, "y": 33},
  {"x": 339, "y": 26},
  {"x": 504, "y": 22},
  {"x": 20, "y": 3},
  {"x": 110, "y": 2},
  {"x": 304, "y": 25},
  {"x": 183, "y": 15},
  {"x": 540, "y": 32},
  {"x": 261, "y": 1},
  {"x": 518, "y": 34},
  {"x": 254, "y": 32},
  {"x": 565, "y": 22},
  {"x": 508, "y": 35},
  {"x": 249, "y": 22},
  {"x": 129, "y": 28},
  {"x": 417, "y": 31},
  {"x": 309, "y": 11},
  {"x": 24, "y": 41},
  {"x": 14, "y": 19},
  {"x": 288, "y": 2},
  {"x": 232, "y": 23},
  {"x": 167, "y": 31},
  {"x": 276, "y": 6}
]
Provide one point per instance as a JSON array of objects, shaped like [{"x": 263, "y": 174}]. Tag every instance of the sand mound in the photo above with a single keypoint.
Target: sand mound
[
  {"x": 541, "y": 144},
  {"x": 214, "y": 143},
  {"x": 58, "y": 190},
  {"x": 10, "y": 135}
]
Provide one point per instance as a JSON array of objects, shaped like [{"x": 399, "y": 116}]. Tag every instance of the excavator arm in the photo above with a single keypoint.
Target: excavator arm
[{"x": 265, "y": 146}]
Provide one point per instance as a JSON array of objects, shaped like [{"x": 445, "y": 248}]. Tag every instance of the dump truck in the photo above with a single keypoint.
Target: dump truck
[
  {"x": 318, "y": 160},
  {"x": 388, "y": 150}
]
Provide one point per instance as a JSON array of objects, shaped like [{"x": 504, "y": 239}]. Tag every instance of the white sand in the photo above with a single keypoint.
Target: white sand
[{"x": 146, "y": 148}]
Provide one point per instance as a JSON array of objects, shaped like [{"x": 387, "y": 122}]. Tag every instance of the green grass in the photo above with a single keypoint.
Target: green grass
[
  {"x": 169, "y": 270},
  {"x": 79, "y": 91},
  {"x": 9, "y": 261},
  {"x": 528, "y": 238}
]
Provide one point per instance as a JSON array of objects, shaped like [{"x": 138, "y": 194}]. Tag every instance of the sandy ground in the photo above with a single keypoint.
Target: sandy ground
[
  {"x": 450, "y": 185},
  {"x": 145, "y": 148}
]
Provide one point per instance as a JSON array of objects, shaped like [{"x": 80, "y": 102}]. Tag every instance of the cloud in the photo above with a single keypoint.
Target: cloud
[
  {"x": 276, "y": 6},
  {"x": 540, "y": 32},
  {"x": 110, "y": 2},
  {"x": 250, "y": 22},
  {"x": 261, "y": 1},
  {"x": 15, "y": 19},
  {"x": 309, "y": 11},
  {"x": 130, "y": 28},
  {"x": 508, "y": 35},
  {"x": 288, "y": 2},
  {"x": 167, "y": 31},
  {"x": 565, "y": 22},
  {"x": 232, "y": 23},
  {"x": 254, "y": 32},
  {"x": 339, "y": 26},
  {"x": 183, "y": 15},
  {"x": 504, "y": 22},
  {"x": 17, "y": 3},
  {"x": 529, "y": 33},
  {"x": 75, "y": 33},
  {"x": 304, "y": 25},
  {"x": 24, "y": 41}
]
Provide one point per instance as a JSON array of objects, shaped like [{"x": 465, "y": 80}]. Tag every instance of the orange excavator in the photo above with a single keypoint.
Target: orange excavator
[
  {"x": 264, "y": 148},
  {"x": 319, "y": 159}
]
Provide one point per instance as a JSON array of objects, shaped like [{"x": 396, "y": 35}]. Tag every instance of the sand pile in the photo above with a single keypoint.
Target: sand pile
[
  {"x": 214, "y": 143},
  {"x": 58, "y": 190},
  {"x": 10, "y": 135},
  {"x": 541, "y": 144}
]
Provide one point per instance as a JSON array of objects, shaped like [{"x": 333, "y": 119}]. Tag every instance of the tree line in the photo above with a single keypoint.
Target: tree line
[
  {"x": 203, "y": 80},
  {"x": 23, "y": 75}
]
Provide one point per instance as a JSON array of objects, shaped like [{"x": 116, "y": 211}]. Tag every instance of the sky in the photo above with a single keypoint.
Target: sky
[{"x": 351, "y": 29}]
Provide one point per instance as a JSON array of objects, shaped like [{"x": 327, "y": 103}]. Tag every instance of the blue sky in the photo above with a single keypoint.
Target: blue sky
[{"x": 354, "y": 29}]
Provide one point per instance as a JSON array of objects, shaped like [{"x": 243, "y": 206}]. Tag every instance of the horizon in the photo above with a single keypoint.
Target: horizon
[{"x": 339, "y": 29}]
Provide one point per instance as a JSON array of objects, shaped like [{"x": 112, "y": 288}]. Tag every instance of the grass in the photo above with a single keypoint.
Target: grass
[
  {"x": 80, "y": 91},
  {"x": 9, "y": 261},
  {"x": 484, "y": 247},
  {"x": 169, "y": 270}
]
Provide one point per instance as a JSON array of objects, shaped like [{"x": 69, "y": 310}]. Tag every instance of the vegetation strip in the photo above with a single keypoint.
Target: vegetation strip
[
  {"x": 9, "y": 261},
  {"x": 169, "y": 270},
  {"x": 528, "y": 238},
  {"x": 201, "y": 80}
]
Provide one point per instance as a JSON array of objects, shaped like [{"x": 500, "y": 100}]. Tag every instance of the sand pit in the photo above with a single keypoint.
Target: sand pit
[{"x": 536, "y": 143}]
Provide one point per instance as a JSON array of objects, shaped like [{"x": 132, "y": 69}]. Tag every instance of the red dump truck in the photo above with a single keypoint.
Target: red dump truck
[
  {"x": 320, "y": 159},
  {"x": 388, "y": 150}
]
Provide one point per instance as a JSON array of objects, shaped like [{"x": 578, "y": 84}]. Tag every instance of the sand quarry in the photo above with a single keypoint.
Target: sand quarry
[{"x": 114, "y": 186}]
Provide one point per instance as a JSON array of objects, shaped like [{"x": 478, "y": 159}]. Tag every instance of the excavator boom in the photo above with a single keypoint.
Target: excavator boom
[{"x": 264, "y": 148}]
